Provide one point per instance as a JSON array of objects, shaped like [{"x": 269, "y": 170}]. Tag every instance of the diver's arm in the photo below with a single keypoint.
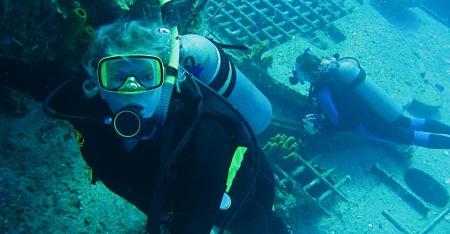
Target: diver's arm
[
  {"x": 203, "y": 177},
  {"x": 326, "y": 103}
]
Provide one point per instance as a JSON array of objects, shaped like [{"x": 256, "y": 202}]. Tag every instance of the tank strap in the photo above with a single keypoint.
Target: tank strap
[
  {"x": 229, "y": 46},
  {"x": 225, "y": 80},
  {"x": 230, "y": 83},
  {"x": 169, "y": 154}
]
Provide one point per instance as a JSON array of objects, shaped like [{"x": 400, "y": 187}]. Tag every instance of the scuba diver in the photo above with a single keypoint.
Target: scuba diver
[
  {"x": 167, "y": 122},
  {"x": 348, "y": 100}
]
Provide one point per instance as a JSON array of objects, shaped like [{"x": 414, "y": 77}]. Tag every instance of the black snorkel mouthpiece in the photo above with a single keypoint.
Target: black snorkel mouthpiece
[{"x": 128, "y": 122}]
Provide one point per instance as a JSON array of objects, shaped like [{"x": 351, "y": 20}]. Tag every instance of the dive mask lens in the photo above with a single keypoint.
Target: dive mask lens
[{"x": 115, "y": 71}]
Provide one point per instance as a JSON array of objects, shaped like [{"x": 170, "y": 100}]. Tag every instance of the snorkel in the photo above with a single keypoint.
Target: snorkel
[
  {"x": 153, "y": 216},
  {"x": 174, "y": 60}
]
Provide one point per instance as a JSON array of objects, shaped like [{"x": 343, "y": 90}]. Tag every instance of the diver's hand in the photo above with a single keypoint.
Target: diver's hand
[{"x": 311, "y": 123}]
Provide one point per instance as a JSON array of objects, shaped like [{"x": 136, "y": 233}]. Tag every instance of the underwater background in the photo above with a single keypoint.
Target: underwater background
[{"x": 335, "y": 183}]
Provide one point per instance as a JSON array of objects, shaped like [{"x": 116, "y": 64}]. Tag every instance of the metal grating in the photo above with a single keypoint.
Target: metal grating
[
  {"x": 277, "y": 21},
  {"x": 302, "y": 183},
  {"x": 305, "y": 188}
]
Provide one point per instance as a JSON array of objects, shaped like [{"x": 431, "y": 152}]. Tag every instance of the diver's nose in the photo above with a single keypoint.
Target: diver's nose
[{"x": 131, "y": 84}]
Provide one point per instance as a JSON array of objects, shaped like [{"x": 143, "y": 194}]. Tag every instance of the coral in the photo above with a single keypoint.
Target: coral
[
  {"x": 291, "y": 200},
  {"x": 290, "y": 204},
  {"x": 281, "y": 145},
  {"x": 86, "y": 33},
  {"x": 125, "y": 4},
  {"x": 190, "y": 15},
  {"x": 35, "y": 31},
  {"x": 256, "y": 52},
  {"x": 74, "y": 24}
]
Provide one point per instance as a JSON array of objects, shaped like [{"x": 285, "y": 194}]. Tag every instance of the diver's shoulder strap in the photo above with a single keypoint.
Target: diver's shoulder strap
[
  {"x": 169, "y": 153},
  {"x": 215, "y": 108}
]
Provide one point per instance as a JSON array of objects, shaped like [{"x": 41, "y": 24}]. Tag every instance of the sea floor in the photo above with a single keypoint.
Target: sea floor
[{"x": 44, "y": 185}]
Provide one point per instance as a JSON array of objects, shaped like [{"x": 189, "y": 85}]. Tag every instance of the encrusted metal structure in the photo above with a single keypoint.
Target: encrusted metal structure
[
  {"x": 277, "y": 21},
  {"x": 302, "y": 183},
  {"x": 401, "y": 190},
  {"x": 314, "y": 185},
  {"x": 411, "y": 199}
]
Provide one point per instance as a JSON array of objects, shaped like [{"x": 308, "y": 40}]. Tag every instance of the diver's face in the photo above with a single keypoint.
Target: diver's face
[{"x": 131, "y": 80}]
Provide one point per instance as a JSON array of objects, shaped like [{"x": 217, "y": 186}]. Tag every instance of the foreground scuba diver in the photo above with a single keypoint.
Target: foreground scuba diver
[
  {"x": 181, "y": 149},
  {"x": 349, "y": 100}
]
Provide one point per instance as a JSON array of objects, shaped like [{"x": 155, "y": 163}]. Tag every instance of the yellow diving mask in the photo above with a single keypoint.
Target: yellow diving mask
[{"x": 130, "y": 73}]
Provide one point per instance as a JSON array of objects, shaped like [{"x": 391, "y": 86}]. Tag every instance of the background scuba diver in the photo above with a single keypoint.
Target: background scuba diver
[
  {"x": 172, "y": 152},
  {"x": 349, "y": 100}
]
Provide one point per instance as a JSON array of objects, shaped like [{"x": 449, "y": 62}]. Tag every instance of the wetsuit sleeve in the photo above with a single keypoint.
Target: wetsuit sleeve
[
  {"x": 326, "y": 103},
  {"x": 201, "y": 179}
]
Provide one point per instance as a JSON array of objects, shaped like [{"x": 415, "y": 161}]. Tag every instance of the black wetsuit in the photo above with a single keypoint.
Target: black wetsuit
[{"x": 195, "y": 184}]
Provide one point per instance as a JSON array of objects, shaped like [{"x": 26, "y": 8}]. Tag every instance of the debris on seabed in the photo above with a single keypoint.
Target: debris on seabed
[
  {"x": 447, "y": 180},
  {"x": 447, "y": 217}
]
